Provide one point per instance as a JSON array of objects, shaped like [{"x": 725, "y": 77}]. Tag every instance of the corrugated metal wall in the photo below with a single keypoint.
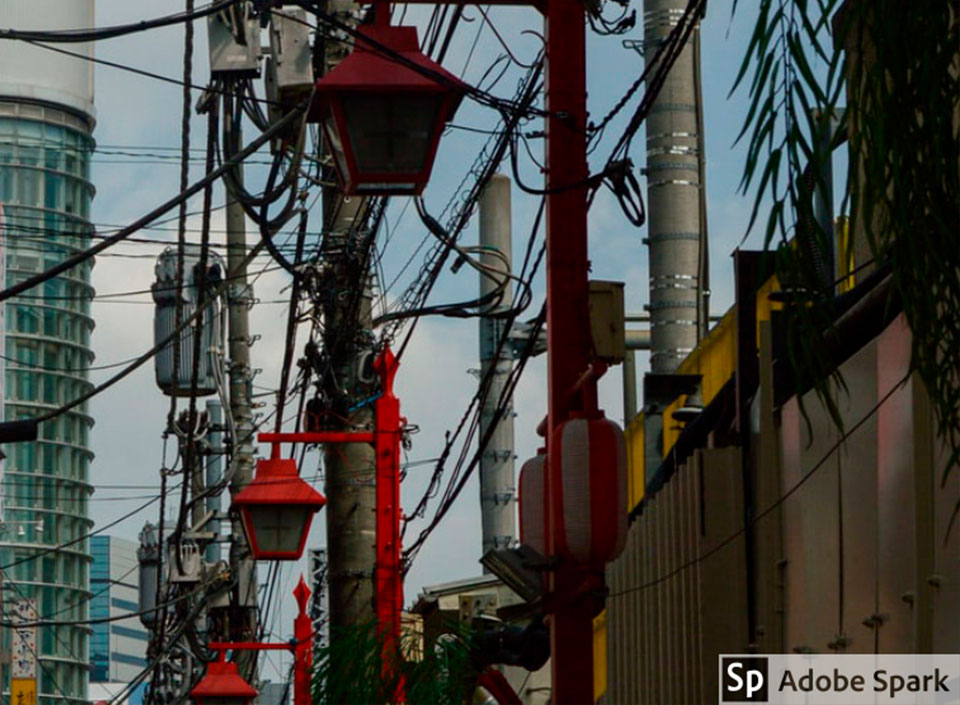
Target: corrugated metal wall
[{"x": 856, "y": 558}]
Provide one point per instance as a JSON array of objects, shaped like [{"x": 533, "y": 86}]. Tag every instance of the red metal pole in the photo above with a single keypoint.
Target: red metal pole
[
  {"x": 568, "y": 322},
  {"x": 303, "y": 651},
  {"x": 389, "y": 586}
]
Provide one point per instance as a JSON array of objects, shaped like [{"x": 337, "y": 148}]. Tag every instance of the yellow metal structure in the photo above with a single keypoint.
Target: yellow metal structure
[
  {"x": 635, "y": 469},
  {"x": 715, "y": 359},
  {"x": 846, "y": 261}
]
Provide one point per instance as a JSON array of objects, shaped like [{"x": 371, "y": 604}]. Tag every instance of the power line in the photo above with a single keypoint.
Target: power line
[
  {"x": 73, "y": 542},
  {"x": 125, "y": 232},
  {"x": 36, "y": 656},
  {"x": 91, "y": 34}
]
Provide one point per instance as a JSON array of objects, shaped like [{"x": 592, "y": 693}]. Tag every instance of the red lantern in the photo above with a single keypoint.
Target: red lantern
[
  {"x": 590, "y": 499},
  {"x": 223, "y": 685},
  {"x": 382, "y": 118},
  {"x": 277, "y": 508},
  {"x": 533, "y": 509}
]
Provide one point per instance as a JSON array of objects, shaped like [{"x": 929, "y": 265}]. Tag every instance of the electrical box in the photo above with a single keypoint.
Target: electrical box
[
  {"x": 289, "y": 78},
  {"x": 179, "y": 382},
  {"x": 210, "y": 571},
  {"x": 607, "y": 322},
  {"x": 234, "y": 42},
  {"x": 188, "y": 569}
]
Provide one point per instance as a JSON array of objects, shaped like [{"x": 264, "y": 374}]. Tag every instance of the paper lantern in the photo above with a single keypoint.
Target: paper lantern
[{"x": 590, "y": 498}]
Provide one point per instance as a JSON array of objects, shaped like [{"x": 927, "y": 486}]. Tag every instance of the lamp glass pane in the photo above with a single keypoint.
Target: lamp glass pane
[
  {"x": 391, "y": 133},
  {"x": 335, "y": 144},
  {"x": 278, "y": 527}
]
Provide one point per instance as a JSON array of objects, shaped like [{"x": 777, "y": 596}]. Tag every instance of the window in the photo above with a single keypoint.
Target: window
[{"x": 27, "y": 319}]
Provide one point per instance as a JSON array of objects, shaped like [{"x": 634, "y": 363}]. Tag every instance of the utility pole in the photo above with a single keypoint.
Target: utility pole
[
  {"x": 350, "y": 468},
  {"x": 497, "y": 481},
  {"x": 242, "y": 620}
]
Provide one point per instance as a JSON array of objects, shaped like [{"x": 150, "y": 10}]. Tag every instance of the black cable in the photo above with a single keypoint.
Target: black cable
[
  {"x": 418, "y": 293},
  {"x": 149, "y": 354},
  {"x": 74, "y": 542},
  {"x": 120, "y": 235},
  {"x": 185, "y": 116},
  {"x": 409, "y": 553},
  {"x": 485, "y": 382},
  {"x": 33, "y": 650},
  {"x": 24, "y": 365},
  {"x": 479, "y": 96},
  {"x": 91, "y": 35},
  {"x": 780, "y": 500},
  {"x": 44, "y": 622},
  {"x": 291, "y": 333}
]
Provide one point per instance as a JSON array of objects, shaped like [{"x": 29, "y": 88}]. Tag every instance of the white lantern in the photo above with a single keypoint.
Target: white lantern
[
  {"x": 590, "y": 499},
  {"x": 533, "y": 511}
]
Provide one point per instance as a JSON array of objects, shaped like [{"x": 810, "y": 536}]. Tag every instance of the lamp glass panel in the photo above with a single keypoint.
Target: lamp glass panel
[
  {"x": 391, "y": 133},
  {"x": 278, "y": 526},
  {"x": 335, "y": 144}
]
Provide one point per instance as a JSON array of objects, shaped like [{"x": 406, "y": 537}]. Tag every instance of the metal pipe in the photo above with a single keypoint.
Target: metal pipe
[
  {"x": 673, "y": 194},
  {"x": 637, "y": 340},
  {"x": 630, "y": 382},
  {"x": 497, "y": 479},
  {"x": 645, "y": 318}
]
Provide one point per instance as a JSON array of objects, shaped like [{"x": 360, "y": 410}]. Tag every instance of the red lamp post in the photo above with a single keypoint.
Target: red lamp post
[
  {"x": 223, "y": 684},
  {"x": 277, "y": 508},
  {"x": 574, "y": 588},
  {"x": 382, "y": 116},
  {"x": 385, "y": 438}
]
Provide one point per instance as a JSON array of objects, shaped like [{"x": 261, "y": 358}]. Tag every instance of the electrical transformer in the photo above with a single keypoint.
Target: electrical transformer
[
  {"x": 178, "y": 382},
  {"x": 233, "y": 38}
]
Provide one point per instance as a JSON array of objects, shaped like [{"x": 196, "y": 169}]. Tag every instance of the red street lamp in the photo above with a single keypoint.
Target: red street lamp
[
  {"x": 223, "y": 685},
  {"x": 381, "y": 117},
  {"x": 277, "y": 508}
]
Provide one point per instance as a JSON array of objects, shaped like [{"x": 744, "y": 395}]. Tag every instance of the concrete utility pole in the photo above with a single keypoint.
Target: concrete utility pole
[
  {"x": 243, "y": 618},
  {"x": 677, "y": 252},
  {"x": 350, "y": 468},
  {"x": 497, "y": 483}
]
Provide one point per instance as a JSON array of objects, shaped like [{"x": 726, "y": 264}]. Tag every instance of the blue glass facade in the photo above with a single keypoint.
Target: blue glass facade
[
  {"x": 117, "y": 647},
  {"x": 46, "y": 192}
]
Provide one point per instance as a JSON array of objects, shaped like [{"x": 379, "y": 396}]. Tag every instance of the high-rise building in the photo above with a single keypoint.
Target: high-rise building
[
  {"x": 46, "y": 124},
  {"x": 118, "y": 647}
]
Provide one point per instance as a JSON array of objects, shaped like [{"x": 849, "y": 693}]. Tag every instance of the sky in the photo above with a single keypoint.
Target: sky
[{"x": 434, "y": 383}]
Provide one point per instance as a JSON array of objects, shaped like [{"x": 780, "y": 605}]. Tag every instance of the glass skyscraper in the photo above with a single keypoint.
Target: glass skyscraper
[
  {"x": 46, "y": 124},
  {"x": 118, "y": 648},
  {"x": 45, "y": 191}
]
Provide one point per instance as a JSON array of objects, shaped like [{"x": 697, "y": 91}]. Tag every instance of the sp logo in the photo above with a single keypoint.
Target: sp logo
[{"x": 743, "y": 679}]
